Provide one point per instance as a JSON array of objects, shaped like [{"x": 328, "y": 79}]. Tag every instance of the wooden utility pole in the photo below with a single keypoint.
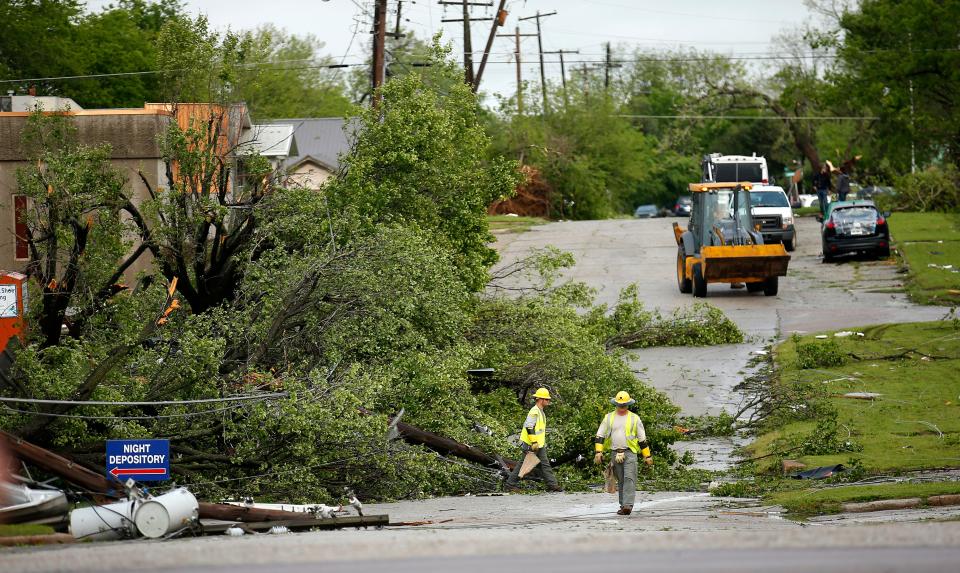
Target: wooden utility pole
[
  {"x": 607, "y": 65},
  {"x": 467, "y": 45},
  {"x": 563, "y": 69},
  {"x": 516, "y": 55},
  {"x": 396, "y": 30},
  {"x": 467, "y": 41},
  {"x": 379, "y": 45},
  {"x": 543, "y": 73},
  {"x": 498, "y": 21}
]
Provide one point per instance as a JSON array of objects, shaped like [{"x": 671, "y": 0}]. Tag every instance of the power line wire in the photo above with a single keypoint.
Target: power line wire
[{"x": 239, "y": 398}]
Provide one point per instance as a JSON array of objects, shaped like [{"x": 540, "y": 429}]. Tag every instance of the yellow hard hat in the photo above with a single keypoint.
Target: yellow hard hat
[
  {"x": 542, "y": 393},
  {"x": 623, "y": 399}
]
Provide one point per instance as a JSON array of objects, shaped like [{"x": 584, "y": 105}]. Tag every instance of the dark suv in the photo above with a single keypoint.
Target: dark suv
[{"x": 855, "y": 227}]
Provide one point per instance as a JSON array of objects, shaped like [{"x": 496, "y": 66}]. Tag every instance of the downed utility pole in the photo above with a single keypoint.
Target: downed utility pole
[
  {"x": 98, "y": 484},
  {"x": 445, "y": 445},
  {"x": 500, "y": 19}
]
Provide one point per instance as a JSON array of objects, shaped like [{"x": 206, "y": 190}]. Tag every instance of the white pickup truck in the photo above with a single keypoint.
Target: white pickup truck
[{"x": 770, "y": 209}]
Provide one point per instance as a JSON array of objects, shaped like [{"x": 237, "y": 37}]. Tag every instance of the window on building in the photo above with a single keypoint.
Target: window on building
[{"x": 21, "y": 252}]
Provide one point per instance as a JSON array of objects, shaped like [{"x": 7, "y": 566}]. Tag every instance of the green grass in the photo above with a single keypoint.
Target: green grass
[
  {"x": 913, "y": 425},
  {"x": 510, "y": 224},
  {"x": 917, "y": 236},
  {"x": 898, "y": 431},
  {"x": 814, "y": 501},
  {"x": 17, "y": 530}
]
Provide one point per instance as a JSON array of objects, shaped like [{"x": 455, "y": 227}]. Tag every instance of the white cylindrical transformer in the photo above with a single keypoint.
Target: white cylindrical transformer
[
  {"x": 103, "y": 522},
  {"x": 166, "y": 513}
]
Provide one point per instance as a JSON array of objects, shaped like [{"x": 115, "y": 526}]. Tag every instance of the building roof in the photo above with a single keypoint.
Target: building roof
[
  {"x": 321, "y": 140},
  {"x": 273, "y": 140}
]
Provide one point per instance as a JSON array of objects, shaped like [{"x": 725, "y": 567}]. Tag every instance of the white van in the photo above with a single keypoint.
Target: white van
[{"x": 719, "y": 168}]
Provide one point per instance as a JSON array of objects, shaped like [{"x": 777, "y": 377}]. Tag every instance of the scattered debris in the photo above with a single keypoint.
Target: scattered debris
[
  {"x": 234, "y": 532},
  {"x": 940, "y": 500},
  {"x": 302, "y": 523},
  {"x": 21, "y": 504},
  {"x": 821, "y": 336},
  {"x": 821, "y": 472},
  {"x": 418, "y": 523},
  {"x": 279, "y": 530},
  {"x": 760, "y": 352},
  {"x": 881, "y": 505},
  {"x": 355, "y": 504},
  {"x": 862, "y": 395},
  {"x": 792, "y": 466}
]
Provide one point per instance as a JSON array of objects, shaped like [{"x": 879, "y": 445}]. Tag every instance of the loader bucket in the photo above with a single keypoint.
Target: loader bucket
[{"x": 744, "y": 263}]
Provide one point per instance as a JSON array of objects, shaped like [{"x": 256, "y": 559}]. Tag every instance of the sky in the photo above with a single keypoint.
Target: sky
[{"x": 731, "y": 27}]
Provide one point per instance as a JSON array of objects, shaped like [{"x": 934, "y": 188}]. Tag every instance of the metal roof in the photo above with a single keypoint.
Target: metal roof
[
  {"x": 321, "y": 140},
  {"x": 274, "y": 140}
]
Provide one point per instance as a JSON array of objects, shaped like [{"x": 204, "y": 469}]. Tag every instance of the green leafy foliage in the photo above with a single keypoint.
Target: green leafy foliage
[
  {"x": 819, "y": 354},
  {"x": 935, "y": 189},
  {"x": 420, "y": 158}
]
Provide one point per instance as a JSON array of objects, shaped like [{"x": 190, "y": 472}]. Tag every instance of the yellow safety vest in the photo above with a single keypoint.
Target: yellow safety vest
[
  {"x": 631, "y": 431},
  {"x": 539, "y": 429}
]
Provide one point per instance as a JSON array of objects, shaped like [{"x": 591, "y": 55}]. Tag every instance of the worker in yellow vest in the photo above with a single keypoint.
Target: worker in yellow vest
[
  {"x": 621, "y": 432},
  {"x": 534, "y": 438}
]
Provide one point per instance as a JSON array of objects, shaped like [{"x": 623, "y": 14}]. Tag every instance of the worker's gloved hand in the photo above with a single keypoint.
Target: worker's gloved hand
[
  {"x": 534, "y": 446},
  {"x": 648, "y": 461},
  {"x": 620, "y": 457},
  {"x": 598, "y": 458}
]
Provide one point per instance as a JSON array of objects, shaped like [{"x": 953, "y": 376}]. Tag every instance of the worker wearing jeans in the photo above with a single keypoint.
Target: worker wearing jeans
[
  {"x": 534, "y": 438},
  {"x": 621, "y": 433}
]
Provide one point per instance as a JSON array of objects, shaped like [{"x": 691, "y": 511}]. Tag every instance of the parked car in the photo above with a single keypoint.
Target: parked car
[
  {"x": 771, "y": 210},
  {"x": 646, "y": 212},
  {"x": 855, "y": 227},
  {"x": 683, "y": 206}
]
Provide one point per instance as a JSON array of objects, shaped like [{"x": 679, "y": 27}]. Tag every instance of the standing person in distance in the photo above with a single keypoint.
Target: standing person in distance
[{"x": 821, "y": 182}]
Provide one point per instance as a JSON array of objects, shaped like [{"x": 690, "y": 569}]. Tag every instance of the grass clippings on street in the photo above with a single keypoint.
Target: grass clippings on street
[{"x": 930, "y": 246}]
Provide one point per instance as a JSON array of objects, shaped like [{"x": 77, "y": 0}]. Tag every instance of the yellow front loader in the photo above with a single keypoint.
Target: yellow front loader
[{"x": 722, "y": 244}]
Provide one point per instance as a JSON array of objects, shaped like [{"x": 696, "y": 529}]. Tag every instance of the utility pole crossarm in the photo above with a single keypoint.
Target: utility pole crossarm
[
  {"x": 563, "y": 69},
  {"x": 543, "y": 73}
]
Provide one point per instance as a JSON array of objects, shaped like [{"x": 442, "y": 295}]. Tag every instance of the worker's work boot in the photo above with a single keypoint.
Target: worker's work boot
[
  {"x": 555, "y": 488},
  {"x": 625, "y": 510}
]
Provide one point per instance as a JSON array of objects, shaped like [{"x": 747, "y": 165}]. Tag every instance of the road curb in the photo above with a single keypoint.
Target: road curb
[{"x": 907, "y": 503}]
